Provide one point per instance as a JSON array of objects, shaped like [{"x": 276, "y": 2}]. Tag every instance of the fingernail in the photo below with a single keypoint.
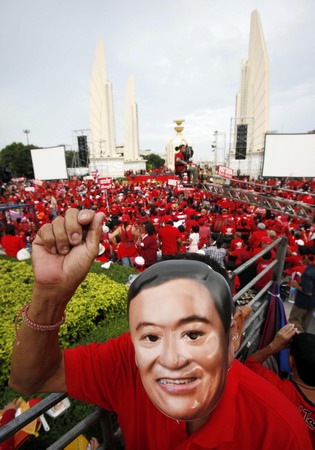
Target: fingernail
[
  {"x": 65, "y": 249},
  {"x": 53, "y": 250},
  {"x": 75, "y": 236},
  {"x": 83, "y": 216}
]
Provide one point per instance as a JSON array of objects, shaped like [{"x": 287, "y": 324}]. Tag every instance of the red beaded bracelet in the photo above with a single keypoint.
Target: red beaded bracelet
[{"x": 34, "y": 325}]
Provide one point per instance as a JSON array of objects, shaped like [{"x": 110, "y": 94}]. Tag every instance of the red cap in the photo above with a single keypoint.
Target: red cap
[{"x": 125, "y": 218}]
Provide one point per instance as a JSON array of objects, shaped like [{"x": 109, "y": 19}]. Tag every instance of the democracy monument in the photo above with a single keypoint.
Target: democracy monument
[
  {"x": 104, "y": 155},
  {"x": 252, "y": 109},
  {"x": 247, "y": 129}
]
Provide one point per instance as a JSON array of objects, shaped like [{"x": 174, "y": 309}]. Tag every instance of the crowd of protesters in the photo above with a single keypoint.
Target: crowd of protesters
[
  {"x": 146, "y": 221},
  {"x": 183, "y": 219}
]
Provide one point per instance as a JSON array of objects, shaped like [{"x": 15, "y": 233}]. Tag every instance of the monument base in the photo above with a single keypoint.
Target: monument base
[
  {"x": 135, "y": 165},
  {"x": 108, "y": 167},
  {"x": 115, "y": 167}
]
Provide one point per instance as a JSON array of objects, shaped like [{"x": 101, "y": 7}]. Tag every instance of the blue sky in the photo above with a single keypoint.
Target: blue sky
[{"x": 185, "y": 57}]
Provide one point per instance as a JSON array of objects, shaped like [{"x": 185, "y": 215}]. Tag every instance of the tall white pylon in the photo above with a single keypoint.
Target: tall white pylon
[
  {"x": 131, "y": 132},
  {"x": 102, "y": 125}
]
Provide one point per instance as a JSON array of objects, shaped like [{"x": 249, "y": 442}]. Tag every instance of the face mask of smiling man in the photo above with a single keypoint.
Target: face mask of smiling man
[{"x": 181, "y": 329}]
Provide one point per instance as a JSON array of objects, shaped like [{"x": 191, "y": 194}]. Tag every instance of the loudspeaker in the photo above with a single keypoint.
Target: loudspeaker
[
  {"x": 241, "y": 142},
  {"x": 83, "y": 150}
]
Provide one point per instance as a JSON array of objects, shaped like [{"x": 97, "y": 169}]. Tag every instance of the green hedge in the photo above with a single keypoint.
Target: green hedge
[
  {"x": 97, "y": 299},
  {"x": 116, "y": 272}
]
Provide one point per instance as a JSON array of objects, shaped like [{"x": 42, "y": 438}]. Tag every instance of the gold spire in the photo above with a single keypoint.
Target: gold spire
[{"x": 178, "y": 129}]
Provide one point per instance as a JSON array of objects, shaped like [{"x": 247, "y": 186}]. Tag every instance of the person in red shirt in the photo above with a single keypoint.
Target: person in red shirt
[
  {"x": 236, "y": 240},
  {"x": 126, "y": 247},
  {"x": 204, "y": 233},
  {"x": 256, "y": 236},
  {"x": 148, "y": 245},
  {"x": 172, "y": 379},
  {"x": 275, "y": 224},
  {"x": 11, "y": 243},
  {"x": 300, "y": 387},
  {"x": 242, "y": 254},
  {"x": 264, "y": 262},
  {"x": 170, "y": 239},
  {"x": 179, "y": 161}
]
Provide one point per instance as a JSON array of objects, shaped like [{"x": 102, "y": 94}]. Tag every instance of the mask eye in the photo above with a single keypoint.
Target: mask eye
[
  {"x": 151, "y": 337},
  {"x": 194, "y": 335}
]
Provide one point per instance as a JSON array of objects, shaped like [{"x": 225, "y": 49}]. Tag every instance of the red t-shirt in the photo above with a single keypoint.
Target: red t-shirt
[
  {"x": 12, "y": 244},
  {"x": 168, "y": 236},
  {"x": 267, "y": 277},
  {"x": 251, "y": 413},
  {"x": 179, "y": 167},
  {"x": 291, "y": 391},
  {"x": 256, "y": 237}
]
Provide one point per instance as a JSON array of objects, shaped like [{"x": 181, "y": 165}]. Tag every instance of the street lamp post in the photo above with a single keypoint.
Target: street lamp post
[{"x": 27, "y": 132}]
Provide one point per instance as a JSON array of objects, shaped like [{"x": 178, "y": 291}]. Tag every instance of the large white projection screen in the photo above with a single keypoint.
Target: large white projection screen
[
  {"x": 49, "y": 163},
  {"x": 289, "y": 155}
]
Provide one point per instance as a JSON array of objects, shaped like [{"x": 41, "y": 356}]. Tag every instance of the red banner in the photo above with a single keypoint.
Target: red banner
[{"x": 225, "y": 172}]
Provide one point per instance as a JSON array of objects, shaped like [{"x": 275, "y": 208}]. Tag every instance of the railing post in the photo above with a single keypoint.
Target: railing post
[
  {"x": 281, "y": 254},
  {"x": 107, "y": 430}
]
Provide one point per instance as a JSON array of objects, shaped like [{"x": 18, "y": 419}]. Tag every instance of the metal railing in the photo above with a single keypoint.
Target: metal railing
[
  {"x": 251, "y": 334},
  {"x": 99, "y": 415},
  {"x": 259, "y": 303},
  {"x": 300, "y": 210}
]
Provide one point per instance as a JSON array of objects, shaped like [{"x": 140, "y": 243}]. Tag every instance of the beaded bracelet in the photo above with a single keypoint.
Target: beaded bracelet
[{"x": 34, "y": 325}]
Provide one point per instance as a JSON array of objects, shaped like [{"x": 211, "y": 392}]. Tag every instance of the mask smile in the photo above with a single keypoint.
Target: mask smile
[
  {"x": 176, "y": 381},
  {"x": 178, "y": 386}
]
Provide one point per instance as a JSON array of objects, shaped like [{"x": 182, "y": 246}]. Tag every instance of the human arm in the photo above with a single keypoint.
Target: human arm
[
  {"x": 180, "y": 159},
  {"x": 112, "y": 237},
  {"x": 135, "y": 232},
  {"x": 279, "y": 342},
  {"x": 62, "y": 255},
  {"x": 299, "y": 287}
]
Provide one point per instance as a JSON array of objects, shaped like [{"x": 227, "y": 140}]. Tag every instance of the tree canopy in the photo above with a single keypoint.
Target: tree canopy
[
  {"x": 154, "y": 161},
  {"x": 17, "y": 158}
]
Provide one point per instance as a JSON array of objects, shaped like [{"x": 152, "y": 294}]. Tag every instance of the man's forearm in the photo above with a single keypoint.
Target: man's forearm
[
  {"x": 264, "y": 353},
  {"x": 37, "y": 356}
]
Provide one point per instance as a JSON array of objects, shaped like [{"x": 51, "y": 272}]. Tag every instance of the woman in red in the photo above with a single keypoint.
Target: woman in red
[
  {"x": 148, "y": 245},
  {"x": 126, "y": 248}
]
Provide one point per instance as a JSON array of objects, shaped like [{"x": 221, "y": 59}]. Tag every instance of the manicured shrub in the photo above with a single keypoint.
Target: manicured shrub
[{"x": 97, "y": 299}]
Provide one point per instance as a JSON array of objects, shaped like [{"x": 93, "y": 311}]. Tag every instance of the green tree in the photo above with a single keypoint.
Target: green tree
[
  {"x": 17, "y": 157},
  {"x": 70, "y": 158},
  {"x": 154, "y": 161}
]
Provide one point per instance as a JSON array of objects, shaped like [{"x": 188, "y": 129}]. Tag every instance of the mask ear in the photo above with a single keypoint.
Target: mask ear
[{"x": 240, "y": 316}]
